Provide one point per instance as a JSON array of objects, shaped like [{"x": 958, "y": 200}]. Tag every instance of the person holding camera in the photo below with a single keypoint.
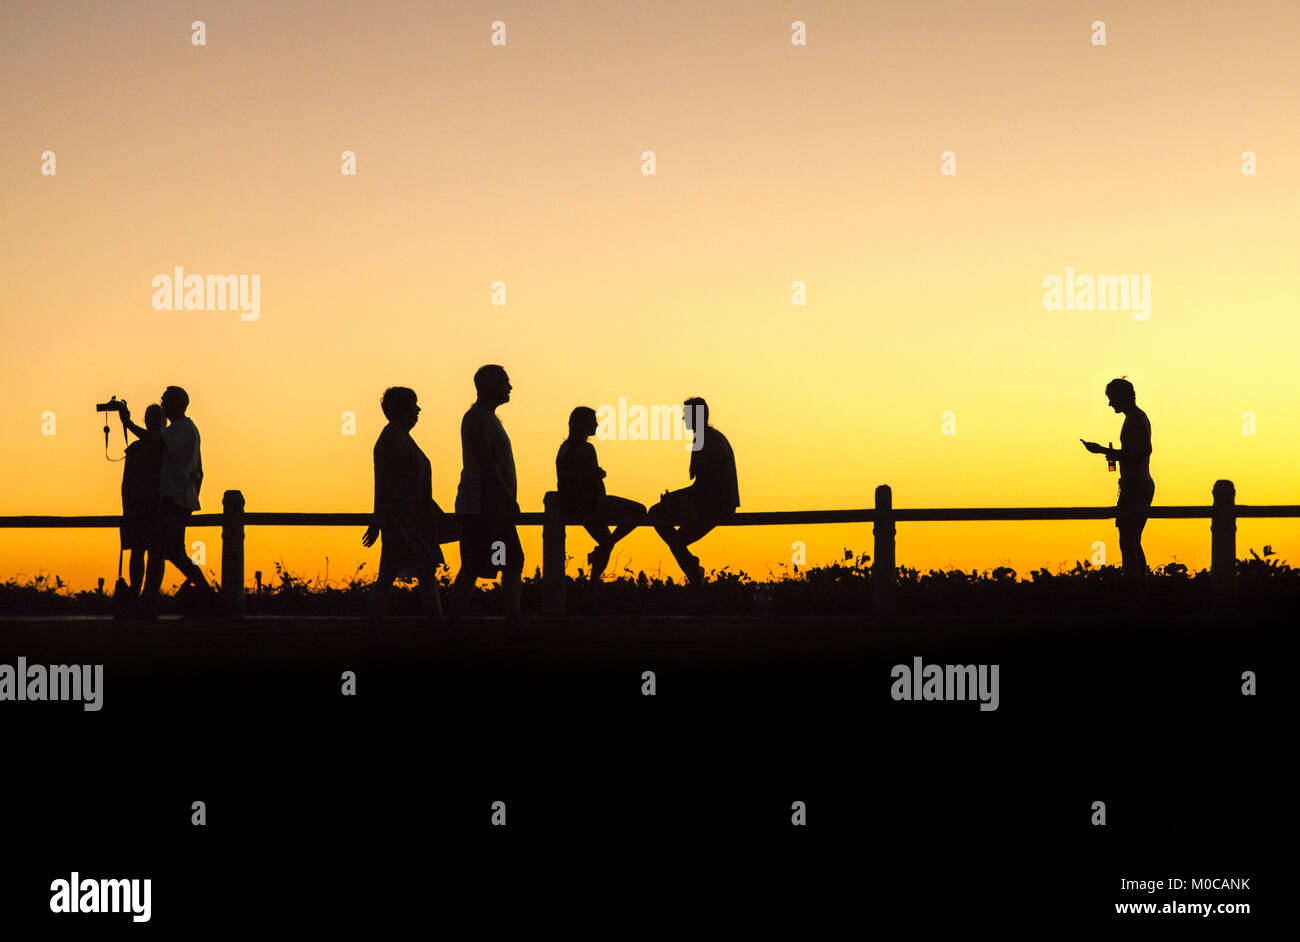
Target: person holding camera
[
  {"x": 141, "y": 484},
  {"x": 179, "y": 482}
]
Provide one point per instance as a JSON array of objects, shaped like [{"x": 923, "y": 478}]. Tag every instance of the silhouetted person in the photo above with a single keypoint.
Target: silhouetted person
[
  {"x": 405, "y": 512},
  {"x": 141, "y": 490},
  {"x": 486, "y": 501},
  {"x": 182, "y": 476},
  {"x": 581, "y": 484},
  {"x": 1136, "y": 488},
  {"x": 684, "y": 516}
]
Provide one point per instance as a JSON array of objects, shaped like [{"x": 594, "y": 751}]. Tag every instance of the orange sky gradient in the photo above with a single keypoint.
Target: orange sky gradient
[{"x": 775, "y": 163}]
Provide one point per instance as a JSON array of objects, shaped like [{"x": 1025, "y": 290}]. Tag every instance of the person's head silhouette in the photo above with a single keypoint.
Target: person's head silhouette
[
  {"x": 1121, "y": 395},
  {"x": 174, "y": 402},
  {"x": 582, "y": 422},
  {"x": 492, "y": 385},
  {"x": 400, "y": 407},
  {"x": 153, "y": 417},
  {"x": 695, "y": 409}
]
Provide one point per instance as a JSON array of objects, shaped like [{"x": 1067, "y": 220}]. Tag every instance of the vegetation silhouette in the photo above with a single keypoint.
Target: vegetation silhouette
[{"x": 1265, "y": 583}]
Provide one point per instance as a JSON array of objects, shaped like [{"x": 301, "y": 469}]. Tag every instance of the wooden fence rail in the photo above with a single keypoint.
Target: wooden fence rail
[{"x": 1223, "y": 514}]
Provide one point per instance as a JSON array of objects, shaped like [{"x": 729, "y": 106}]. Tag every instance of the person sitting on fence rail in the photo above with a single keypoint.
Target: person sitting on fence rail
[
  {"x": 581, "y": 486},
  {"x": 1136, "y": 487},
  {"x": 405, "y": 513},
  {"x": 683, "y": 516},
  {"x": 487, "y": 499}
]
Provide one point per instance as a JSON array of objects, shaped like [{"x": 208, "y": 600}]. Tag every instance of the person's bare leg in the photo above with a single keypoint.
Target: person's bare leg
[
  {"x": 627, "y": 516},
  {"x": 461, "y": 589},
  {"x": 207, "y": 596},
  {"x": 687, "y": 534},
  {"x": 512, "y": 587},
  {"x": 1141, "y": 585},
  {"x": 672, "y": 537},
  {"x": 663, "y": 520},
  {"x": 430, "y": 604},
  {"x": 658, "y": 517},
  {"x": 189, "y": 570},
  {"x": 1143, "y": 571},
  {"x": 1132, "y": 560},
  {"x": 377, "y": 604},
  {"x": 598, "y": 558},
  {"x": 136, "y": 571},
  {"x": 153, "y": 577},
  {"x": 622, "y": 530}
]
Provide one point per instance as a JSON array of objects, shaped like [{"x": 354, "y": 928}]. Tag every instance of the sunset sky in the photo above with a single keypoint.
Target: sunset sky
[{"x": 775, "y": 163}]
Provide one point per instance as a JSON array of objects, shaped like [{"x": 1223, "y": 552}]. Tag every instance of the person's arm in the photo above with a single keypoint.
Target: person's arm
[
  {"x": 476, "y": 443},
  {"x": 716, "y": 470},
  {"x": 704, "y": 466},
  {"x": 198, "y": 469},
  {"x": 385, "y": 483},
  {"x": 733, "y": 479},
  {"x": 372, "y": 531},
  {"x": 1113, "y": 454},
  {"x": 141, "y": 433},
  {"x": 591, "y": 467}
]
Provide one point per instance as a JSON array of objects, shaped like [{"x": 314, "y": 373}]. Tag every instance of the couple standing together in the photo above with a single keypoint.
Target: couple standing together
[
  {"x": 160, "y": 490},
  {"x": 413, "y": 526}
]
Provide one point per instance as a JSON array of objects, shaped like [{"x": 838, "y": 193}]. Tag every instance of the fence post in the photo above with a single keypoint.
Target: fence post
[
  {"x": 884, "y": 577},
  {"x": 553, "y": 584},
  {"x": 232, "y": 551},
  {"x": 1223, "y": 547}
]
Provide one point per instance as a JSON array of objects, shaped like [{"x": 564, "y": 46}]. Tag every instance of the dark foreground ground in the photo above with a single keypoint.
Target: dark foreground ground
[{"x": 378, "y": 806}]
